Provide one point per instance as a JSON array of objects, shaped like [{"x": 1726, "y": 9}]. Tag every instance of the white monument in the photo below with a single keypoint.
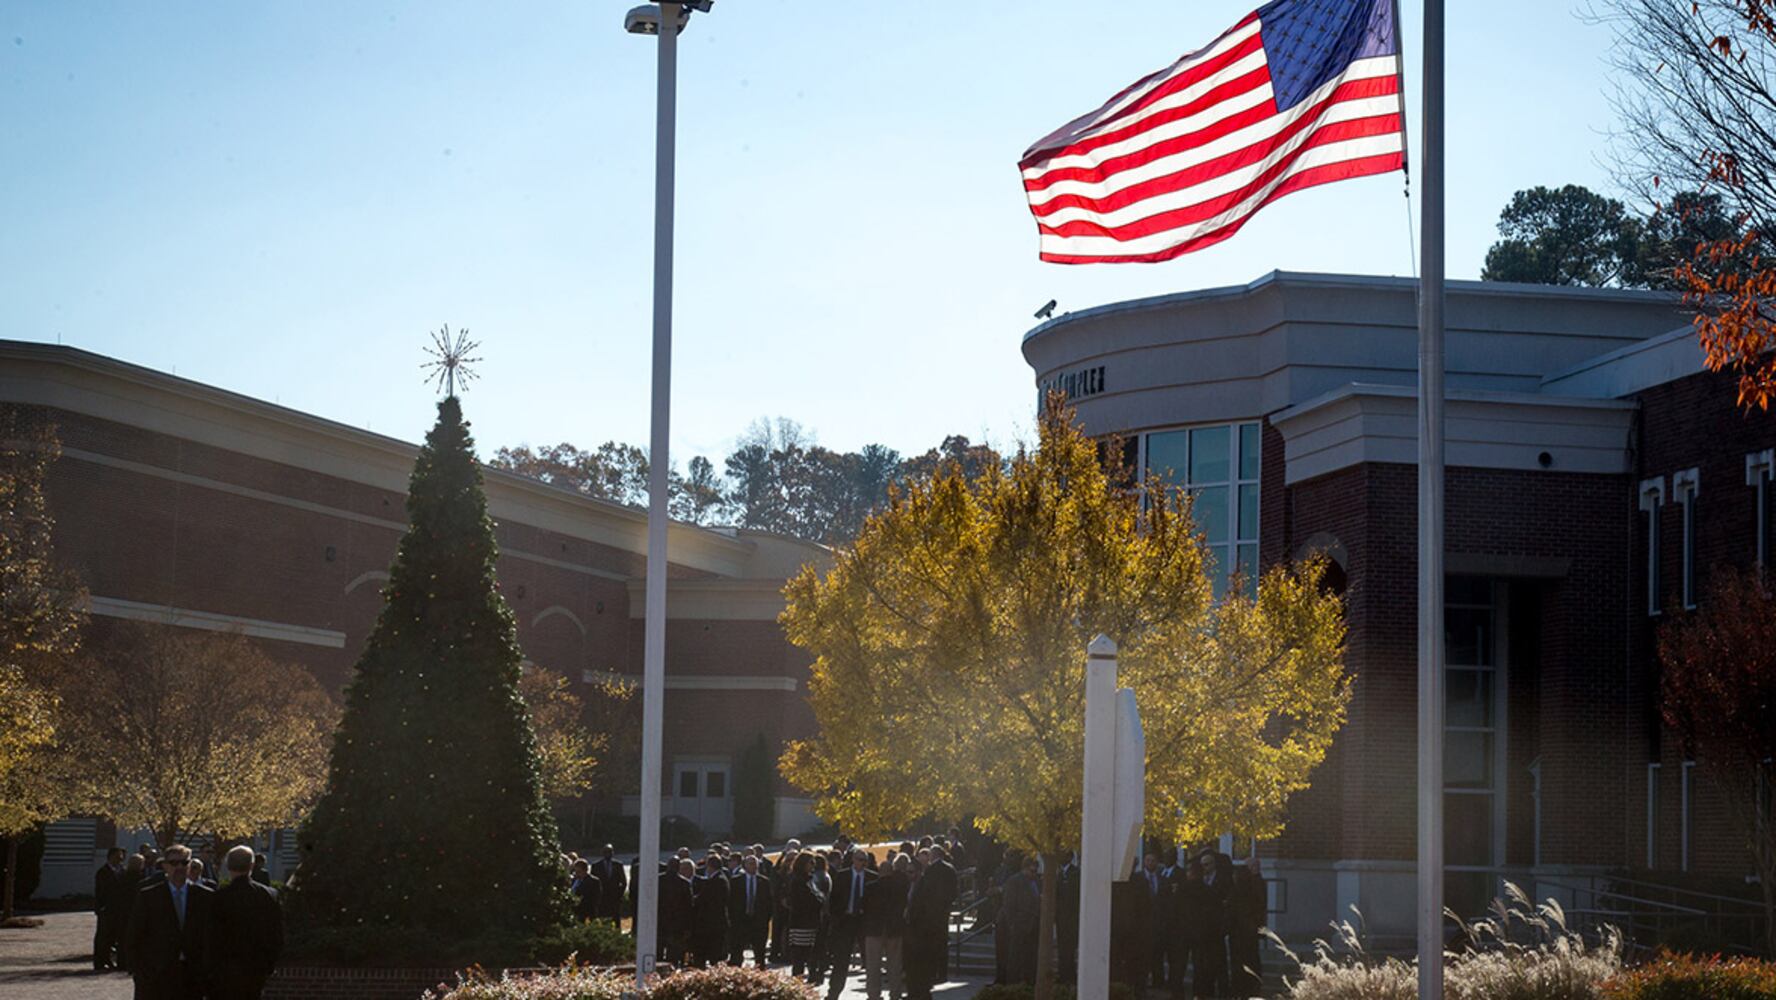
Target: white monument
[{"x": 1115, "y": 801}]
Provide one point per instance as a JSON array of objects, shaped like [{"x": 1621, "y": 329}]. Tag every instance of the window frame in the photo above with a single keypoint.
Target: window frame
[
  {"x": 1221, "y": 574},
  {"x": 1652, "y": 502},
  {"x": 1760, "y": 475},
  {"x": 1685, "y": 487}
]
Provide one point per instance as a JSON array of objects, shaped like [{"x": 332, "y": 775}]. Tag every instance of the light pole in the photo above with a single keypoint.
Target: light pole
[{"x": 665, "y": 21}]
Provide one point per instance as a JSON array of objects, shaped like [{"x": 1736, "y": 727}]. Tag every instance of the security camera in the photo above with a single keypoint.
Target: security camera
[
  {"x": 1047, "y": 310},
  {"x": 645, "y": 20}
]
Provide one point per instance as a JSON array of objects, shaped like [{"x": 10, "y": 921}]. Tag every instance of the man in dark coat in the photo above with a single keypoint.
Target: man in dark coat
[
  {"x": 260, "y": 874},
  {"x": 169, "y": 932},
  {"x": 1067, "y": 919},
  {"x": 846, "y": 907},
  {"x": 246, "y": 932},
  {"x": 612, "y": 885},
  {"x": 1248, "y": 909},
  {"x": 676, "y": 902},
  {"x": 1210, "y": 949},
  {"x": 107, "y": 882},
  {"x": 750, "y": 905},
  {"x": 587, "y": 891},
  {"x": 1019, "y": 918},
  {"x": 709, "y": 913},
  {"x": 927, "y": 916},
  {"x": 947, "y": 884},
  {"x": 1156, "y": 899}
]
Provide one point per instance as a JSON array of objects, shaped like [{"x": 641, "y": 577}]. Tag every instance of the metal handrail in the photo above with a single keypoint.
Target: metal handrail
[{"x": 958, "y": 937}]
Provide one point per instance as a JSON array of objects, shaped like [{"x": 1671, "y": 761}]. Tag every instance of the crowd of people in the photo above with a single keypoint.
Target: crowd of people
[
  {"x": 1191, "y": 928},
  {"x": 818, "y": 911},
  {"x": 179, "y": 933}
]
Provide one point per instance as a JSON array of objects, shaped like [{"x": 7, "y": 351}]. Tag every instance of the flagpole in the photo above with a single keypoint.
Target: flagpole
[
  {"x": 1430, "y": 518},
  {"x": 653, "y": 671}
]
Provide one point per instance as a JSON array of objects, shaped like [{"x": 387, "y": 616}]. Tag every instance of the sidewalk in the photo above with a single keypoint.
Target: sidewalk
[{"x": 54, "y": 962}]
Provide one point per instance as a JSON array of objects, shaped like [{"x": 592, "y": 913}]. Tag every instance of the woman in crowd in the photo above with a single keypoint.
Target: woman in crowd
[{"x": 807, "y": 903}]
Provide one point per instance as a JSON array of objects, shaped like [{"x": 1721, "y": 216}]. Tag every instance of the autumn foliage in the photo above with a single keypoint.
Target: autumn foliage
[{"x": 1718, "y": 691}]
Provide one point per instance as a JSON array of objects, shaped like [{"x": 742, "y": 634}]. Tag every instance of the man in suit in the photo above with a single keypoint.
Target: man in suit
[
  {"x": 1067, "y": 919},
  {"x": 927, "y": 914},
  {"x": 196, "y": 874},
  {"x": 260, "y": 875},
  {"x": 709, "y": 913},
  {"x": 1019, "y": 921},
  {"x": 945, "y": 889},
  {"x": 1248, "y": 909},
  {"x": 169, "y": 931},
  {"x": 846, "y": 906},
  {"x": 246, "y": 932},
  {"x": 1156, "y": 899},
  {"x": 610, "y": 878},
  {"x": 106, "y": 883},
  {"x": 884, "y": 925},
  {"x": 749, "y": 912},
  {"x": 587, "y": 891},
  {"x": 675, "y": 913},
  {"x": 1211, "y": 939}
]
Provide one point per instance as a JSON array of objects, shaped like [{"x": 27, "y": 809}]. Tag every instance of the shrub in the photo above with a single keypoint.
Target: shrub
[
  {"x": 1685, "y": 977},
  {"x": 581, "y": 982},
  {"x": 727, "y": 982},
  {"x": 597, "y": 943},
  {"x": 1521, "y": 952}
]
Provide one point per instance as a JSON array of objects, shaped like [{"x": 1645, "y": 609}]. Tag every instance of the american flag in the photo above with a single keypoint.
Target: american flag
[{"x": 1298, "y": 93}]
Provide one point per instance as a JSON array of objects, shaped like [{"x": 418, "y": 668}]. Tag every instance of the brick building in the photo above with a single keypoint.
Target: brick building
[
  {"x": 1585, "y": 444},
  {"x": 184, "y": 505}
]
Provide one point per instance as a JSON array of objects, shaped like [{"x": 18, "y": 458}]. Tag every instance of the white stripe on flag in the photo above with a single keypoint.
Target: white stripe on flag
[{"x": 1336, "y": 152}]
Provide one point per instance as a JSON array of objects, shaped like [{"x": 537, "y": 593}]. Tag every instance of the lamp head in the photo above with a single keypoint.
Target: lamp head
[{"x": 645, "y": 20}]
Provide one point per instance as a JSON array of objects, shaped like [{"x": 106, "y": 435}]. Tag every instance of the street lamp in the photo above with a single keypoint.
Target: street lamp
[{"x": 646, "y": 20}]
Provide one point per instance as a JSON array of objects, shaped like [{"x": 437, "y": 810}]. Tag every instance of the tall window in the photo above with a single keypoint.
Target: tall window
[
  {"x": 1473, "y": 747},
  {"x": 1688, "y": 803},
  {"x": 1684, "y": 487},
  {"x": 1652, "y": 501},
  {"x": 1760, "y": 474},
  {"x": 1652, "y": 816},
  {"x": 1218, "y": 467}
]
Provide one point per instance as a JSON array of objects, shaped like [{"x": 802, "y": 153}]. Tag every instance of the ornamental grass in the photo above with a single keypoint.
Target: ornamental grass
[
  {"x": 1522, "y": 951},
  {"x": 583, "y": 982}
]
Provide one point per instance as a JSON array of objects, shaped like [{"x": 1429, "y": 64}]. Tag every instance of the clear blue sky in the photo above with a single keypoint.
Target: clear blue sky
[{"x": 282, "y": 198}]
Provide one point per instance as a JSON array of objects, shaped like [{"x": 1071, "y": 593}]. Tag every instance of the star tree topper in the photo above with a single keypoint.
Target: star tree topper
[{"x": 451, "y": 360}]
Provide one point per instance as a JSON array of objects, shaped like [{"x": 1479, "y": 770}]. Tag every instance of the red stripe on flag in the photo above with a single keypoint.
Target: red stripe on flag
[
  {"x": 1196, "y": 173},
  {"x": 1184, "y": 78},
  {"x": 1326, "y": 174}
]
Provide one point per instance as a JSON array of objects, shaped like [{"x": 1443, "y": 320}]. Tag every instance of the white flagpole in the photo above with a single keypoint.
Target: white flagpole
[
  {"x": 653, "y": 671},
  {"x": 1430, "y": 518}
]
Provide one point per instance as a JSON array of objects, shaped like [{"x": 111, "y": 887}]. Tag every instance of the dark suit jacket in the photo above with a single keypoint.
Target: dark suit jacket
[
  {"x": 104, "y": 885},
  {"x": 762, "y": 901},
  {"x": 840, "y": 898},
  {"x": 709, "y": 904},
  {"x": 246, "y": 935},
  {"x": 588, "y": 896},
  {"x": 155, "y": 940},
  {"x": 614, "y": 884},
  {"x": 675, "y": 905}
]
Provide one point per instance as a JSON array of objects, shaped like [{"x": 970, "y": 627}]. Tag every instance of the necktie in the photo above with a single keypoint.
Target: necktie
[
  {"x": 749, "y": 889},
  {"x": 179, "y": 905}
]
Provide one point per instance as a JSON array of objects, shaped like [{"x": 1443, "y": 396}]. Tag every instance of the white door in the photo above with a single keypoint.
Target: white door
[{"x": 700, "y": 794}]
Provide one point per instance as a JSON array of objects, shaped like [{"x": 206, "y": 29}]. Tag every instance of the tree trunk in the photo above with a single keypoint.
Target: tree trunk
[
  {"x": 12, "y": 867},
  {"x": 1045, "y": 928}
]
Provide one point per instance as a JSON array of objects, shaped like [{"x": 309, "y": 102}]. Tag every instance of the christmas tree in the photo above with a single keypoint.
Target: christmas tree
[{"x": 433, "y": 818}]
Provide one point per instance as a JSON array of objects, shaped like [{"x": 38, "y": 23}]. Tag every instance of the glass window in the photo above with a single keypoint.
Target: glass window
[
  {"x": 1467, "y": 759},
  {"x": 715, "y": 784},
  {"x": 1210, "y": 512},
  {"x": 1248, "y": 512},
  {"x": 1469, "y": 699},
  {"x": 1247, "y": 568},
  {"x": 687, "y": 784},
  {"x": 1467, "y": 636},
  {"x": 1467, "y": 829},
  {"x": 1208, "y": 455},
  {"x": 1248, "y": 451},
  {"x": 1166, "y": 455}
]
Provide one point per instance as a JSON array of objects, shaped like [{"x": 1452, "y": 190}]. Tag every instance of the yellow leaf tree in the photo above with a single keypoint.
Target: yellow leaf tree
[
  {"x": 949, "y": 673},
  {"x": 570, "y": 752},
  {"x": 40, "y": 625},
  {"x": 175, "y": 729}
]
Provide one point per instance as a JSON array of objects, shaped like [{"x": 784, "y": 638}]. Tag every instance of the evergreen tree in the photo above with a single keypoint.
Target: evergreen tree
[{"x": 433, "y": 817}]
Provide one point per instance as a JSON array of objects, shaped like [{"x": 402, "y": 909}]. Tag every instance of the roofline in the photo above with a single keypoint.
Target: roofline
[
  {"x": 1651, "y": 343},
  {"x": 1361, "y": 281},
  {"x": 1494, "y": 396},
  {"x": 74, "y": 357}
]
